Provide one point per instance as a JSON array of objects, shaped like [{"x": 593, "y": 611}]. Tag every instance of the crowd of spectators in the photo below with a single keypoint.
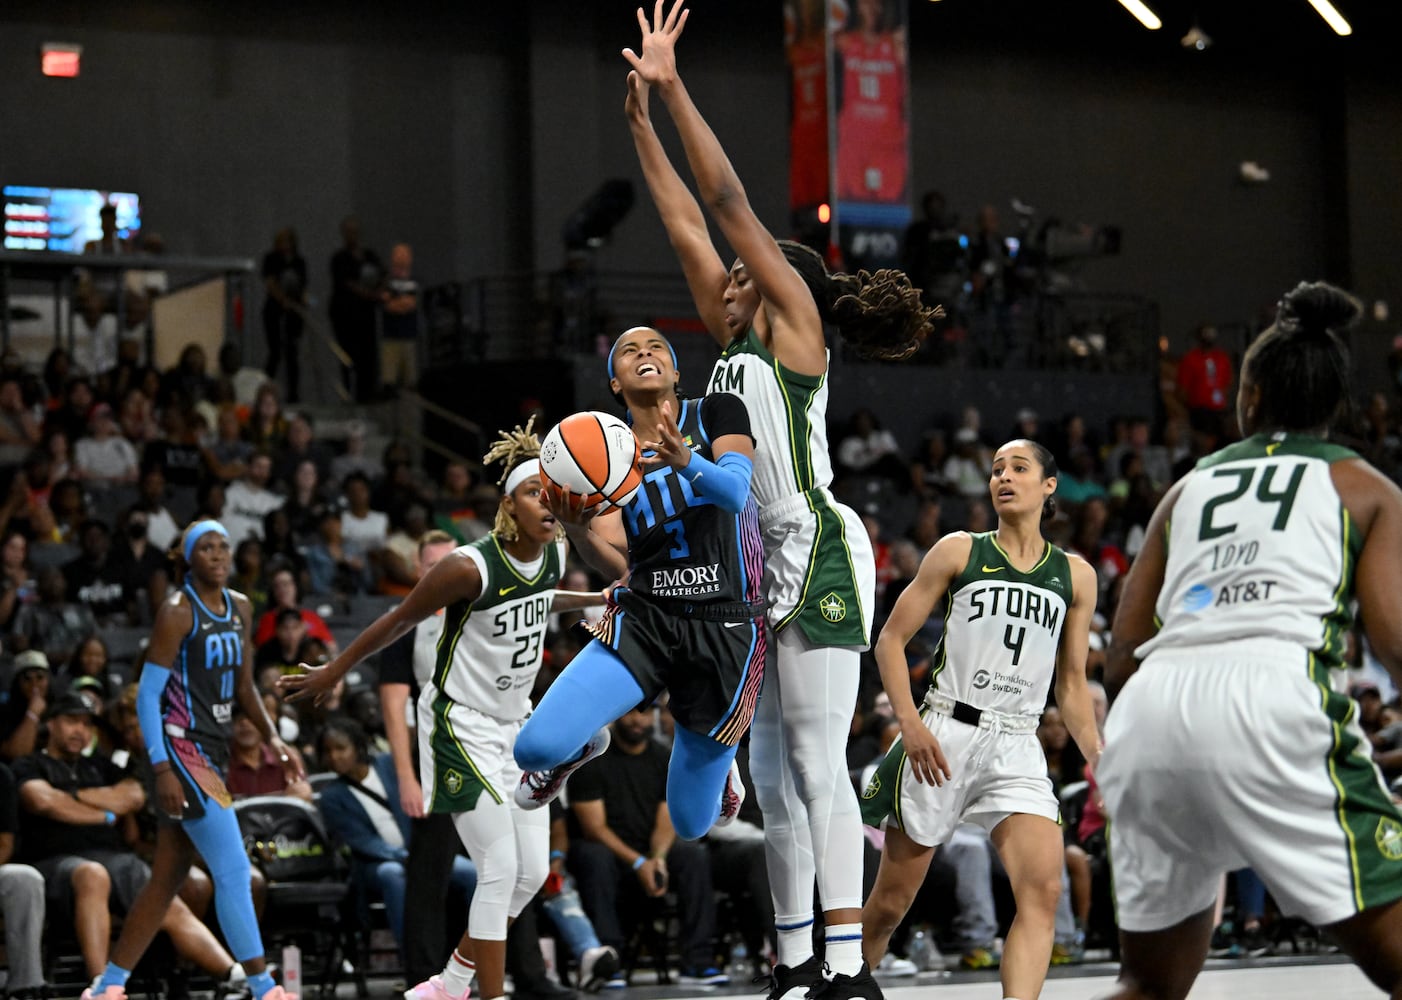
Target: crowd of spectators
[{"x": 100, "y": 473}]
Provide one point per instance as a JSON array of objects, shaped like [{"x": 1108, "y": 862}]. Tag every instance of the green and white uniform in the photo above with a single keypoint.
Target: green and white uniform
[
  {"x": 1229, "y": 748},
  {"x": 997, "y": 655},
  {"x": 489, "y": 653},
  {"x": 819, "y": 569}
]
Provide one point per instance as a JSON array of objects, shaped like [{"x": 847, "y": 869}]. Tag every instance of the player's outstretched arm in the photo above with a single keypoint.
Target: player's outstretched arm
[
  {"x": 937, "y": 571},
  {"x": 454, "y": 579},
  {"x": 1134, "y": 618}
]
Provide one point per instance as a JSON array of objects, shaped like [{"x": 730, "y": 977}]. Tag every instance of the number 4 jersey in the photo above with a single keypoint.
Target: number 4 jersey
[
  {"x": 1002, "y": 630},
  {"x": 490, "y": 649},
  {"x": 1260, "y": 545}
]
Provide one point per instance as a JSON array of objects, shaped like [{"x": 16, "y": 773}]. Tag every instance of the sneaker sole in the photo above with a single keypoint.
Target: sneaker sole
[{"x": 604, "y": 970}]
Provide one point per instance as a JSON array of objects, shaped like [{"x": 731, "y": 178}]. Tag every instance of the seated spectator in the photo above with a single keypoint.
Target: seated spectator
[
  {"x": 209, "y": 501},
  {"x": 1088, "y": 541},
  {"x": 301, "y": 446},
  {"x": 400, "y": 486},
  {"x": 280, "y": 546},
  {"x": 72, "y": 807},
  {"x": 227, "y": 457},
  {"x": 399, "y": 563},
  {"x": 104, "y": 458},
  {"x": 363, "y": 809},
  {"x": 96, "y": 581},
  {"x": 25, "y": 706},
  {"x": 178, "y": 453},
  {"x": 966, "y": 470},
  {"x": 248, "y": 578},
  {"x": 598, "y": 963},
  {"x": 162, "y": 527},
  {"x": 284, "y": 594},
  {"x": 267, "y": 427},
  {"x": 243, "y": 381},
  {"x": 868, "y": 449},
  {"x": 927, "y": 471},
  {"x": 455, "y": 502},
  {"x": 21, "y": 903},
  {"x": 355, "y": 459},
  {"x": 19, "y": 431},
  {"x": 90, "y": 662},
  {"x": 363, "y": 530},
  {"x": 306, "y": 501},
  {"x": 332, "y": 567},
  {"x": 17, "y": 586},
  {"x": 53, "y": 625},
  {"x": 248, "y": 500},
  {"x": 71, "y": 415},
  {"x": 1078, "y": 481},
  {"x": 625, "y": 851},
  {"x": 254, "y": 769},
  {"x": 70, "y": 509},
  {"x": 48, "y": 549},
  {"x": 188, "y": 383},
  {"x": 59, "y": 450},
  {"x": 144, "y": 568},
  {"x": 136, "y": 416},
  {"x": 284, "y": 649}
]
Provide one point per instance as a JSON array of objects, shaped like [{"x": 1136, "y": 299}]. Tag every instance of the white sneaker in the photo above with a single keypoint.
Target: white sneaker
[
  {"x": 732, "y": 797},
  {"x": 895, "y": 966},
  {"x": 433, "y": 989},
  {"x": 539, "y": 788},
  {"x": 596, "y": 967}
]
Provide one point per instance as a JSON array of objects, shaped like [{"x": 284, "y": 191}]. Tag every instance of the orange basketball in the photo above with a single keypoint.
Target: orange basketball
[{"x": 595, "y": 455}]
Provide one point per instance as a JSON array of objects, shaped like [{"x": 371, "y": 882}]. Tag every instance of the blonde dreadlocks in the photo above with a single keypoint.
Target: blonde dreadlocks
[{"x": 511, "y": 448}]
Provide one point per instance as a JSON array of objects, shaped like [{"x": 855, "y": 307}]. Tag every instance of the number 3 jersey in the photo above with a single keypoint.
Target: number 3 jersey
[
  {"x": 1002, "y": 630},
  {"x": 1260, "y": 546},
  {"x": 490, "y": 649}
]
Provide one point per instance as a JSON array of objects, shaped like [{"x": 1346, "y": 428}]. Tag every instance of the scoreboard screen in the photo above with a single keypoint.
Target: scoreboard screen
[{"x": 64, "y": 219}]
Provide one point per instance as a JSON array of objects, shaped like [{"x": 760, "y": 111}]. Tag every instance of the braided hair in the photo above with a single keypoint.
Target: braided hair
[
  {"x": 1300, "y": 364},
  {"x": 511, "y": 449},
  {"x": 878, "y": 313}
]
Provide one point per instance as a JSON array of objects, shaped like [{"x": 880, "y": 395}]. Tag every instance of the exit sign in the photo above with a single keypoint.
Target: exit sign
[{"x": 60, "y": 59}]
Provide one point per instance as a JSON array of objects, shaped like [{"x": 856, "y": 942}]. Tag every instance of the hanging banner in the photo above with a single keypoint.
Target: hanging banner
[
  {"x": 808, "y": 28},
  {"x": 871, "y": 133}
]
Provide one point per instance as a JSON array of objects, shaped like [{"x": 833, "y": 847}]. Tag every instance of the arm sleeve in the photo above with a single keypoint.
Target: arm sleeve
[
  {"x": 725, "y": 483},
  {"x": 148, "y": 710}
]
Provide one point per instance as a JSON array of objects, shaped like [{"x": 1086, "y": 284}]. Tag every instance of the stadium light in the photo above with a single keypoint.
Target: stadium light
[
  {"x": 1332, "y": 17},
  {"x": 1144, "y": 15}
]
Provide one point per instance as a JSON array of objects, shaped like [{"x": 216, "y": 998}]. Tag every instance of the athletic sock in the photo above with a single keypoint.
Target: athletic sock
[
  {"x": 113, "y": 975},
  {"x": 843, "y": 948},
  {"x": 261, "y": 983},
  {"x": 236, "y": 975},
  {"x": 795, "y": 942},
  {"x": 458, "y": 973}
]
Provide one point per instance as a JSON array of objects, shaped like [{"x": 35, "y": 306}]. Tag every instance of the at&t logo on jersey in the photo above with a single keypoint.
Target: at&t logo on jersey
[{"x": 1198, "y": 597}]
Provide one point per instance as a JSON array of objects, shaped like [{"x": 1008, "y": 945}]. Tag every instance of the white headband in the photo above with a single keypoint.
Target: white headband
[{"x": 522, "y": 472}]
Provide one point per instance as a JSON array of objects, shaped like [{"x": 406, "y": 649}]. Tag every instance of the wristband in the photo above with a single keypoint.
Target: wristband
[
  {"x": 109, "y": 817},
  {"x": 557, "y": 855},
  {"x": 31, "y": 715},
  {"x": 639, "y": 861}
]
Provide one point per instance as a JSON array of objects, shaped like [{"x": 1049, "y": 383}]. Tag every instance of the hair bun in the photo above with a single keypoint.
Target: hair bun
[{"x": 1317, "y": 308}]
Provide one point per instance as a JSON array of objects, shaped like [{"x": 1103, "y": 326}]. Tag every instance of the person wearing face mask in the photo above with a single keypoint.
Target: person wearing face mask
[{"x": 142, "y": 566}]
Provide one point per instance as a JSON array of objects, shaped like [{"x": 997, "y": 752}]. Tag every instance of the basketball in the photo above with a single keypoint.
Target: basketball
[{"x": 595, "y": 455}]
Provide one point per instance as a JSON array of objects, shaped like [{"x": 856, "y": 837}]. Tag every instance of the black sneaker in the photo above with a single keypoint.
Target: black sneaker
[
  {"x": 836, "y": 986},
  {"x": 784, "y": 979},
  {"x": 1254, "y": 942}
]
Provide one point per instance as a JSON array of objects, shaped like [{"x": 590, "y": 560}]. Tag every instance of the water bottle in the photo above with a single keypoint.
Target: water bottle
[
  {"x": 918, "y": 951},
  {"x": 739, "y": 968},
  {"x": 292, "y": 969}
]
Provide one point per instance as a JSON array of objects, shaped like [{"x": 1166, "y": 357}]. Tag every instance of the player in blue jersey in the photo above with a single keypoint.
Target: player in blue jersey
[
  {"x": 690, "y": 618},
  {"x": 199, "y": 662}
]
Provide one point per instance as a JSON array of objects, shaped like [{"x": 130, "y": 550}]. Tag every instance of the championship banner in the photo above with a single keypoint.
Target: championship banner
[{"x": 850, "y": 120}]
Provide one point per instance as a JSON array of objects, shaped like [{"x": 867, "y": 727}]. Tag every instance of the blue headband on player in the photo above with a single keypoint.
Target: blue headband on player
[
  {"x": 197, "y": 531},
  {"x": 670, "y": 349}
]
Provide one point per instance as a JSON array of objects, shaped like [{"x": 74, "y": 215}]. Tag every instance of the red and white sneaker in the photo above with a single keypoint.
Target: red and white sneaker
[
  {"x": 433, "y": 989},
  {"x": 732, "y": 797},
  {"x": 278, "y": 993},
  {"x": 539, "y": 788}
]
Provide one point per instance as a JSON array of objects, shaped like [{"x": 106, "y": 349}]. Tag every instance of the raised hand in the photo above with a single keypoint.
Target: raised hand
[
  {"x": 670, "y": 446},
  {"x": 657, "y": 66},
  {"x": 635, "y": 104}
]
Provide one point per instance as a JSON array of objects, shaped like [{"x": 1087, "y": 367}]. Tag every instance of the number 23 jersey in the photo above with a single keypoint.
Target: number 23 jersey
[
  {"x": 1260, "y": 546},
  {"x": 490, "y": 650}
]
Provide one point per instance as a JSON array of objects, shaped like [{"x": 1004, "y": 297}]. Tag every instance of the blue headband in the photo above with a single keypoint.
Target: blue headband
[
  {"x": 198, "y": 530},
  {"x": 670, "y": 349}
]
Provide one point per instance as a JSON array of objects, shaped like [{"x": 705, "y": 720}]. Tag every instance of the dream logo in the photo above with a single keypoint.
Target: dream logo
[
  {"x": 982, "y": 679},
  {"x": 1198, "y": 597}
]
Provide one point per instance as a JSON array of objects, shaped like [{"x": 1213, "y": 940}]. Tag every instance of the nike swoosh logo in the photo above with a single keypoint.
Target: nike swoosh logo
[
  {"x": 207, "y": 626},
  {"x": 506, "y": 590},
  {"x": 993, "y": 569},
  {"x": 733, "y": 624},
  {"x": 1271, "y": 448}
]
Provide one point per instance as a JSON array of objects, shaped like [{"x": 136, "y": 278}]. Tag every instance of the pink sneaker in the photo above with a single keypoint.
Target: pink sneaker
[
  {"x": 278, "y": 993},
  {"x": 732, "y": 797},
  {"x": 434, "y": 989},
  {"x": 539, "y": 788},
  {"x": 111, "y": 993}
]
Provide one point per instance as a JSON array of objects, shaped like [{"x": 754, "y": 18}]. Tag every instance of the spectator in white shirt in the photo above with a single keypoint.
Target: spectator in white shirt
[
  {"x": 248, "y": 500},
  {"x": 104, "y": 458},
  {"x": 363, "y": 531}
]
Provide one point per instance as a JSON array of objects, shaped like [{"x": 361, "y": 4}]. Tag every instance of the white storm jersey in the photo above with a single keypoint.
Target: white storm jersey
[
  {"x": 1260, "y": 545},
  {"x": 788, "y": 417},
  {"x": 1002, "y": 630},
  {"x": 490, "y": 650}
]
